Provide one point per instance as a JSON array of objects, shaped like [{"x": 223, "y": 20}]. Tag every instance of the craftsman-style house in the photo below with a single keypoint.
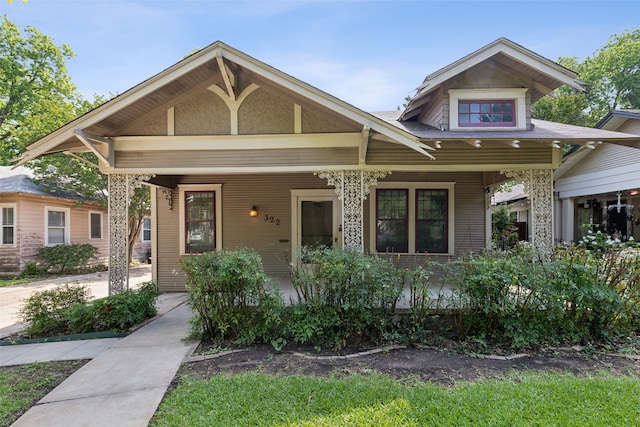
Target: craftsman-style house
[{"x": 240, "y": 154}]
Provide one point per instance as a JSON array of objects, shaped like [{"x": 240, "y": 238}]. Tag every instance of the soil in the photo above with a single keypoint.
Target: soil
[{"x": 438, "y": 365}]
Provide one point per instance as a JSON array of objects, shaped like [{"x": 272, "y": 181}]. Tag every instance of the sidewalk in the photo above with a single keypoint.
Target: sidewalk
[{"x": 125, "y": 382}]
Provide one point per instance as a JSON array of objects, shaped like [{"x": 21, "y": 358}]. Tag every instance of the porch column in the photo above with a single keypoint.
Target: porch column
[
  {"x": 352, "y": 187},
  {"x": 538, "y": 185},
  {"x": 121, "y": 186}
]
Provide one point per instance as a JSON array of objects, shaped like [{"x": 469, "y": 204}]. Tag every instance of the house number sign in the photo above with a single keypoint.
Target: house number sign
[{"x": 271, "y": 219}]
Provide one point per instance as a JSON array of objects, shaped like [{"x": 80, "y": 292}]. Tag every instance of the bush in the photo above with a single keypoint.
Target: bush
[
  {"x": 230, "y": 297},
  {"x": 66, "y": 310},
  {"x": 31, "y": 269},
  {"x": 517, "y": 298},
  {"x": 62, "y": 258},
  {"x": 114, "y": 313},
  {"x": 45, "y": 311},
  {"x": 343, "y": 297}
]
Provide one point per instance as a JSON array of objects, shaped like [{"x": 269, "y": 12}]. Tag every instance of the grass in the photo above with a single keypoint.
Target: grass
[
  {"x": 23, "y": 385},
  {"x": 523, "y": 399},
  {"x": 6, "y": 281}
]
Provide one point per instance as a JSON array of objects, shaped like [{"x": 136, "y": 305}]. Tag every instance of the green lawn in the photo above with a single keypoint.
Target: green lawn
[
  {"x": 523, "y": 400},
  {"x": 15, "y": 281},
  {"x": 22, "y": 386}
]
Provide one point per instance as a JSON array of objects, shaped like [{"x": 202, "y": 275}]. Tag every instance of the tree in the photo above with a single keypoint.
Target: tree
[
  {"x": 36, "y": 94},
  {"x": 612, "y": 81},
  {"x": 37, "y": 97}
]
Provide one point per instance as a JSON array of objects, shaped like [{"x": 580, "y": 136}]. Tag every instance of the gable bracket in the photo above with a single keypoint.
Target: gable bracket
[
  {"x": 82, "y": 159},
  {"x": 88, "y": 139},
  {"x": 364, "y": 143},
  {"x": 228, "y": 77}
]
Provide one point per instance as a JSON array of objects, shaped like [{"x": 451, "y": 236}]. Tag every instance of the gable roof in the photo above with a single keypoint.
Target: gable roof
[
  {"x": 547, "y": 75},
  {"x": 20, "y": 180},
  {"x": 216, "y": 60}
]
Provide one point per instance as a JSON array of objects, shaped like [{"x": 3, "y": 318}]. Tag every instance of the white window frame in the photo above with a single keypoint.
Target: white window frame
[
  {"x": 412, "y": 187},
  {"x": 13, "y": 206},
  {"x": 144, "y": 220},
  {"x": 67, "y": 224},
  {"x": 218, "y": 201},
  {"x": 515, "y": 94},
  {"x": 101, "y": 225}
]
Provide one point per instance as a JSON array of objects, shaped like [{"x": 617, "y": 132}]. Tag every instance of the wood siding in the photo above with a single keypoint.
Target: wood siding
[
  {"x": 238, "y": 158},
  {"x": 271, "y": 194},
  {"x": 460, "y": 153},
  {"x": 30, "y": 231}
]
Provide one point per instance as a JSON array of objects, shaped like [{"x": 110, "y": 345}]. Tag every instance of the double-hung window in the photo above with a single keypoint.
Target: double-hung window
[
  {"x": 8, "y": 221},
  {"x": 201, "y": 218},
  {"x": 57, "y": 228},
  {"x": 95, "y": 225},
  {"x": 412, "y": 218},
  {"x": 146, "y": 230}
]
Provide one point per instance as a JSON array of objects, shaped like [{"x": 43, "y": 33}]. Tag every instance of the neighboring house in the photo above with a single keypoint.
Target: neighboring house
[
  {"x": 600, "y": 189},
  {"x": 142, "y": 248},
  {"x": 240, "y": 154},
  {"x": 32, "y": 217},
  {"x": 517, "y": 203}
]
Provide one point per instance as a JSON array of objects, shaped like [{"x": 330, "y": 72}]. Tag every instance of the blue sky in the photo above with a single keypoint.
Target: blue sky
[{"x": 369, "y": 53}]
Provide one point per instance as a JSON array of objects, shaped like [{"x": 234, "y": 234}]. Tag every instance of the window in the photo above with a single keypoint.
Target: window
[
  {"x": 95, "y": 225},
  {"x": 8, "y": 221},
  {"x": 391, "y": 220},
  {"x": 431, "y": 220},
  {"x": 201, "y": 218},
  {"x": 495, "y": 108},
  {"x": 413, "y": 217},
  {"x": 486, "y": 113},
  {"x": 146, "y": 230},
  {"x": 56, "y": 226}
]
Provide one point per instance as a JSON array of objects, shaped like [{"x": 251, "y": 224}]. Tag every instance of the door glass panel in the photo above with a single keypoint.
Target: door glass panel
[{"x": 317, "y": 223}]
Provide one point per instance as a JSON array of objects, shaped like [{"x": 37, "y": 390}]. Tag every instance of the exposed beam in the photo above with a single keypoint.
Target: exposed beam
[
  {"x": 513, "y": 144},
  {"x": 82, "y": 159},
  {"x": 228, "y": 77},
  {"x": 363, "y": 145},
  {"x": 474, "y": 142},
  {"x": 87, "y": 140}
]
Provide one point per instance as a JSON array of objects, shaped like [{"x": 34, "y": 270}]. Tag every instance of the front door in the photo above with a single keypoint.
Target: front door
[{"x": 316, "y": 219}]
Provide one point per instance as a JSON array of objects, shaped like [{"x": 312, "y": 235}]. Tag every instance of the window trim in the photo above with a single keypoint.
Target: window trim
[
  {"x": 67, "y": 224},
  {"x": 101, "y": 225},
  {"x": 411, "y": 188},
  {"x": 517, "y": 95},
  {"x": 13, "y": 206},
  {"x": 217, "y": 188},
  {"x": 143, "y": 230},
  {"x": 510, "y": 124}
]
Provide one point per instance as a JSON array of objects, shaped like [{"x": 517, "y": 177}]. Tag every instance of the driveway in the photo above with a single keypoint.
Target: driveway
[{"x": 12, "y": 297}]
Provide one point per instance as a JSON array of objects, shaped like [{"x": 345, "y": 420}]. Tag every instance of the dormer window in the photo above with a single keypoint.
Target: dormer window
[
  {"x": 481, "y": 109},
  {"x": 486, "y": 113}
]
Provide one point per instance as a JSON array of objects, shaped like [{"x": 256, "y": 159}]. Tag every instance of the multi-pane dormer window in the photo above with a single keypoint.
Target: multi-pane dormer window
[
  {"x": 490, "y": 113},
  {"x": 484, "y": 109}
]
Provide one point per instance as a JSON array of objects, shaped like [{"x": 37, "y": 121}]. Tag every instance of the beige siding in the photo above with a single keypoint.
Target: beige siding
[
  {"x": 317, "y": 122},
  {"x": 438, "y": 115},
  {"x": 605, "y": 158},
  {"x": 460, "y": 153},
  {"x": 30, "y": 232},
  {"x": 271, "y": 194},
  {"x": 155, "y": 124},
  {"x": 237, "y": 158},
  {"x": 630, "y": 126}
]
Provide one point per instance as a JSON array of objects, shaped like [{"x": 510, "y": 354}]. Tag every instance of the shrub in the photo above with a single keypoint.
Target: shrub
[
  {"x": 32, "y": 269},
  {"x": 45, "y": 311},
  {"x": 63, "y": 258},
  {"x": 515, "y": 297},
  {"x": 230, "y": 297},
  {"x": 113, "y": 313},
  {"x": 343, "y": 297}
]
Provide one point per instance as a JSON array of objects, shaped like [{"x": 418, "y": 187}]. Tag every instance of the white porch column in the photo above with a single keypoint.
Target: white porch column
[
  {"x": 121, "y": 186},
  {"x": 538, "y": 185},
  {"x": 352, "y": 187},
  {"x": 568, "y": 219}
]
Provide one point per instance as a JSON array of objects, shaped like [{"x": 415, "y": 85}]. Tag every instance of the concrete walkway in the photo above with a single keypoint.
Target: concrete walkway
[{"x": 126, "y": 380}]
